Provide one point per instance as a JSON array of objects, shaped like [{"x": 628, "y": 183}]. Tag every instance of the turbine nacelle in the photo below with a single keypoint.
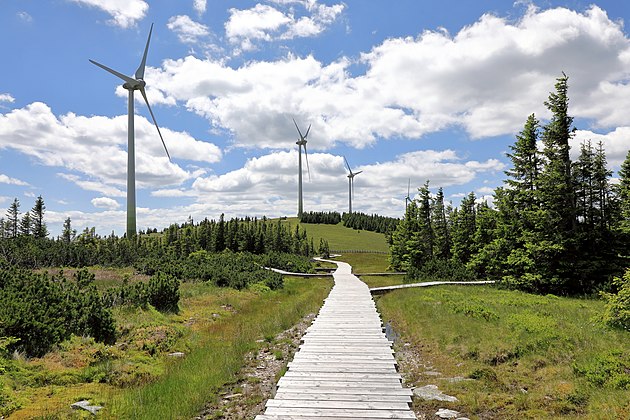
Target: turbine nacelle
[{"x": 137, "y": 85}]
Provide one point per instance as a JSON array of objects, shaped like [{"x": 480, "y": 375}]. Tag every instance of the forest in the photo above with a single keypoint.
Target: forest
[{"x": 556, "y": 225}]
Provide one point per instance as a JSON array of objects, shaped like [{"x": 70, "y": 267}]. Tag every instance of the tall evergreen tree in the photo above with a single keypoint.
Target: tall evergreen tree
[
  {"x": 556, "y": 183},
  {"x": 526, "y": 165},
  {"x": 37, "y": 214},
  {"x": 12, "y": 224},
  {"x": 463, "y": 231},
  {"x": 25, "y": 224},
  {"x": 68, "y": 234},
  {"x": 442, "y": 237}
]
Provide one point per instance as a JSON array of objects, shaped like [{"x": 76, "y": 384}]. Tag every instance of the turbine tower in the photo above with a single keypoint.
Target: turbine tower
[
  {"x": 351, "y": 176},
  {"x": 301, "y": 143},
  {"x": 132, "y": 85},
  {"x": 408, "y": 198}
]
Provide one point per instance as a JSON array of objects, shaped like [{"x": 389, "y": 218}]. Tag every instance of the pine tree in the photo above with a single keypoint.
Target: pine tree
[
  {"x": 25, "y": 224},
  {"x": 623, "y": 196},
  {"x": 12, "y": 224},
  {"x": 463, "y": 231},
  {"x": 526, "y": 165},
  {"x": 37, "y": 214},
  {"x": 442, "y": 237},
  {"x": 556, "y": 183}
]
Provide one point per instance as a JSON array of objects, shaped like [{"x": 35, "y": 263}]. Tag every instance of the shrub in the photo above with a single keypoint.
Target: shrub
[
  {"x": 42, "y": 311},
  {"x": 440, "y": 270},
  {"x": 617, "y": 310},
  {"x": 163, "y": 292}
]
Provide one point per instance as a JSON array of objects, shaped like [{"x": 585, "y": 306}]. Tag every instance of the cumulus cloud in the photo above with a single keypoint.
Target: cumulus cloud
[
  {"x": 486, "y": 79},
  {"x": 5, "y": 179},
  {"x": 200, "y": 6},
  {"x": 6, "y": 97},
  {"x": 187, "y": 30},
  {"x": 246, "y": 27},
  {"x": 124, "y": 13},
  {"x": 105, "y": 203},
  {"x": 95, "y": 146},
  {"x": 269, "y": 183}
]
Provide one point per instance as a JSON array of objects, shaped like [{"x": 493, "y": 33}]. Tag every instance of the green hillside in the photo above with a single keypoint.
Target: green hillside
[{"x": 340, "y": 237}]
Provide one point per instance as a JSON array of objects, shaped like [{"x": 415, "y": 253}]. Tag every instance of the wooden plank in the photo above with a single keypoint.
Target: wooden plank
[
  {"x": 337, "y": 383},
  {"x": 349, "y": 413},
  {"x": 303, "y": 395},
  {"x": 348, "y": 391},
  {"x": 339, "y": 405},
  {"x": 344, "y": 376}
]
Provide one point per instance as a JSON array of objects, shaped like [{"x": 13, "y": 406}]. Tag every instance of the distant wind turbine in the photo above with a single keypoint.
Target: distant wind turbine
[
  {"x": 301, "y": 143},
  {"x": 408, "y": 198},
  {"x": 132, "y": 85},
  {"x": 351, "y": 176}
]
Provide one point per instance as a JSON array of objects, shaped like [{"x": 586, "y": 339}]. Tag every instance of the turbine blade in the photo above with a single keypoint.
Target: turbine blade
[
  {"x": 347, "y": 165},
  {"x": 115, "y": 73},
  {"x": 144, "y": 95},
  {"x": 298, "y": 129},
  {"x": 143, "y": 63},
  {"x": 408, "y": 185},
  {"x": 307, "y": 131},
  {"x": 357, "y": 173},
  {"x": 307, "y": 167}
]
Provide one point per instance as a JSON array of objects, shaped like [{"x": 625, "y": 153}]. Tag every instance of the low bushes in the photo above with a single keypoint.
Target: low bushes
[{"x": 41, "y": 310}]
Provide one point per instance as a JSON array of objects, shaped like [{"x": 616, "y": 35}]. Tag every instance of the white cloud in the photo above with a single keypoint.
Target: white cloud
[
  {"x": 6, "y": 97},
  {"x": 24, "y": 16},
  {"x": 247, "y": 27},
  {"x": 5, "y": 179},
  {"x": 124, "y": 13},
  {"x": 187, "y": 30},
  {"x": 105, "y": 203},
  {"x": 486, "y": 79},
  {"x": 200, "y": 6},
  {"x": 95, "y": 147}
]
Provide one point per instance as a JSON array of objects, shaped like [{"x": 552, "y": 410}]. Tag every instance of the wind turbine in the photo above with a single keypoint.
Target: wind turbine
[
  {"x": 408, "y": 198},
  {"x": 351, "y": 176},
  {"x": 301, "y": 143},
  {"x": 133, "y": 84}
]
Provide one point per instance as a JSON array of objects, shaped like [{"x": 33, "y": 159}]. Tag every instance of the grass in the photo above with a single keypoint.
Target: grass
[
  {"x": 529, "y": 356},
  {"x": 216, "y": 327},
  {"x": 340, "y": 237},
  {"x": 382, "y": 281}
]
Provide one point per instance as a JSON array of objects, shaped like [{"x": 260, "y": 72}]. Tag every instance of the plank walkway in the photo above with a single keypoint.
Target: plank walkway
[
  {"x": 345, "y": 366},
  {"x": 377, "y": 290}
]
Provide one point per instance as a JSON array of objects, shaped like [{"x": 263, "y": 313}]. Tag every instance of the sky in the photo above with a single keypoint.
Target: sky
[{"x": 407, "y": 91}]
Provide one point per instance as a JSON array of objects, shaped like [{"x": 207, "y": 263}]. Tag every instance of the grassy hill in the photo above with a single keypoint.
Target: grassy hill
[{"x": 340, "y": 237}]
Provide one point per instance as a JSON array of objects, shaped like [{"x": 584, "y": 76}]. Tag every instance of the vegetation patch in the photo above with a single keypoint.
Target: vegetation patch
[{"x": 533, "y": 357}]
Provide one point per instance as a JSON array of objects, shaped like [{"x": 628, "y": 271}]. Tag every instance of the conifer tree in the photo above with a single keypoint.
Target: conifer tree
[
  {"x": 12, "y": 224},
  {"x": 463, "y": 231},
  {"x": 442, "y": 237},
  {"x": 37, "y": 214},
  {"x": 556, "y": 183},
  {"x": 25, "y": 224}
]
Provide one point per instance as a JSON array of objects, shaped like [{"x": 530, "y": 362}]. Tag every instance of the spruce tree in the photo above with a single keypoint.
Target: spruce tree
[
  {"x": 12, "y": 224},
  {"x": 526, "y": 165},
  {"x": 557, "y": 191},
  {"x": 442, "y": 237},
  {"x": 37, "y": 214}
]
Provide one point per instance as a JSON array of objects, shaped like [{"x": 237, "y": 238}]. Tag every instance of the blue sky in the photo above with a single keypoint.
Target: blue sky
[{"x": 405, "y": 90}]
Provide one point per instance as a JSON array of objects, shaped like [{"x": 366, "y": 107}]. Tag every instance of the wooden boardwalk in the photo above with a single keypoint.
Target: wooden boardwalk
[{"x": 345, "y": 366}]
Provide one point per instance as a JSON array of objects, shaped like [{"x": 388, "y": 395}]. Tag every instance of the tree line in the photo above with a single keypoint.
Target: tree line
[
  {"x": 370, "y": 222},
  {"x": 557, "y": 225}
]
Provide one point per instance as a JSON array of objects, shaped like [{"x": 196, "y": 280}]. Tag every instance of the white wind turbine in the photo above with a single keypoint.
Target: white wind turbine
[
  {"x": 351, "y": 176},
  {"x": 301, "y": 143},
  {"x": 132, "y": 85}
]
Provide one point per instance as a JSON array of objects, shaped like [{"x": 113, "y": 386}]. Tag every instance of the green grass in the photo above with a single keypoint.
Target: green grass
[
  {"x": 218, "y": 351},
  {"x": 341, "y": 237},
  {"x": 530, "y": 356},
  {"x": 216, "y": 327},
  {"x": 366, "y": 263}
]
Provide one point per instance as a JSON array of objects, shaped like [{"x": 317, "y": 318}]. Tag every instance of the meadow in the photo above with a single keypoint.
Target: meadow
[
  {"x": 215, "y": 328},
  {"x": 507, "y": 354}
]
